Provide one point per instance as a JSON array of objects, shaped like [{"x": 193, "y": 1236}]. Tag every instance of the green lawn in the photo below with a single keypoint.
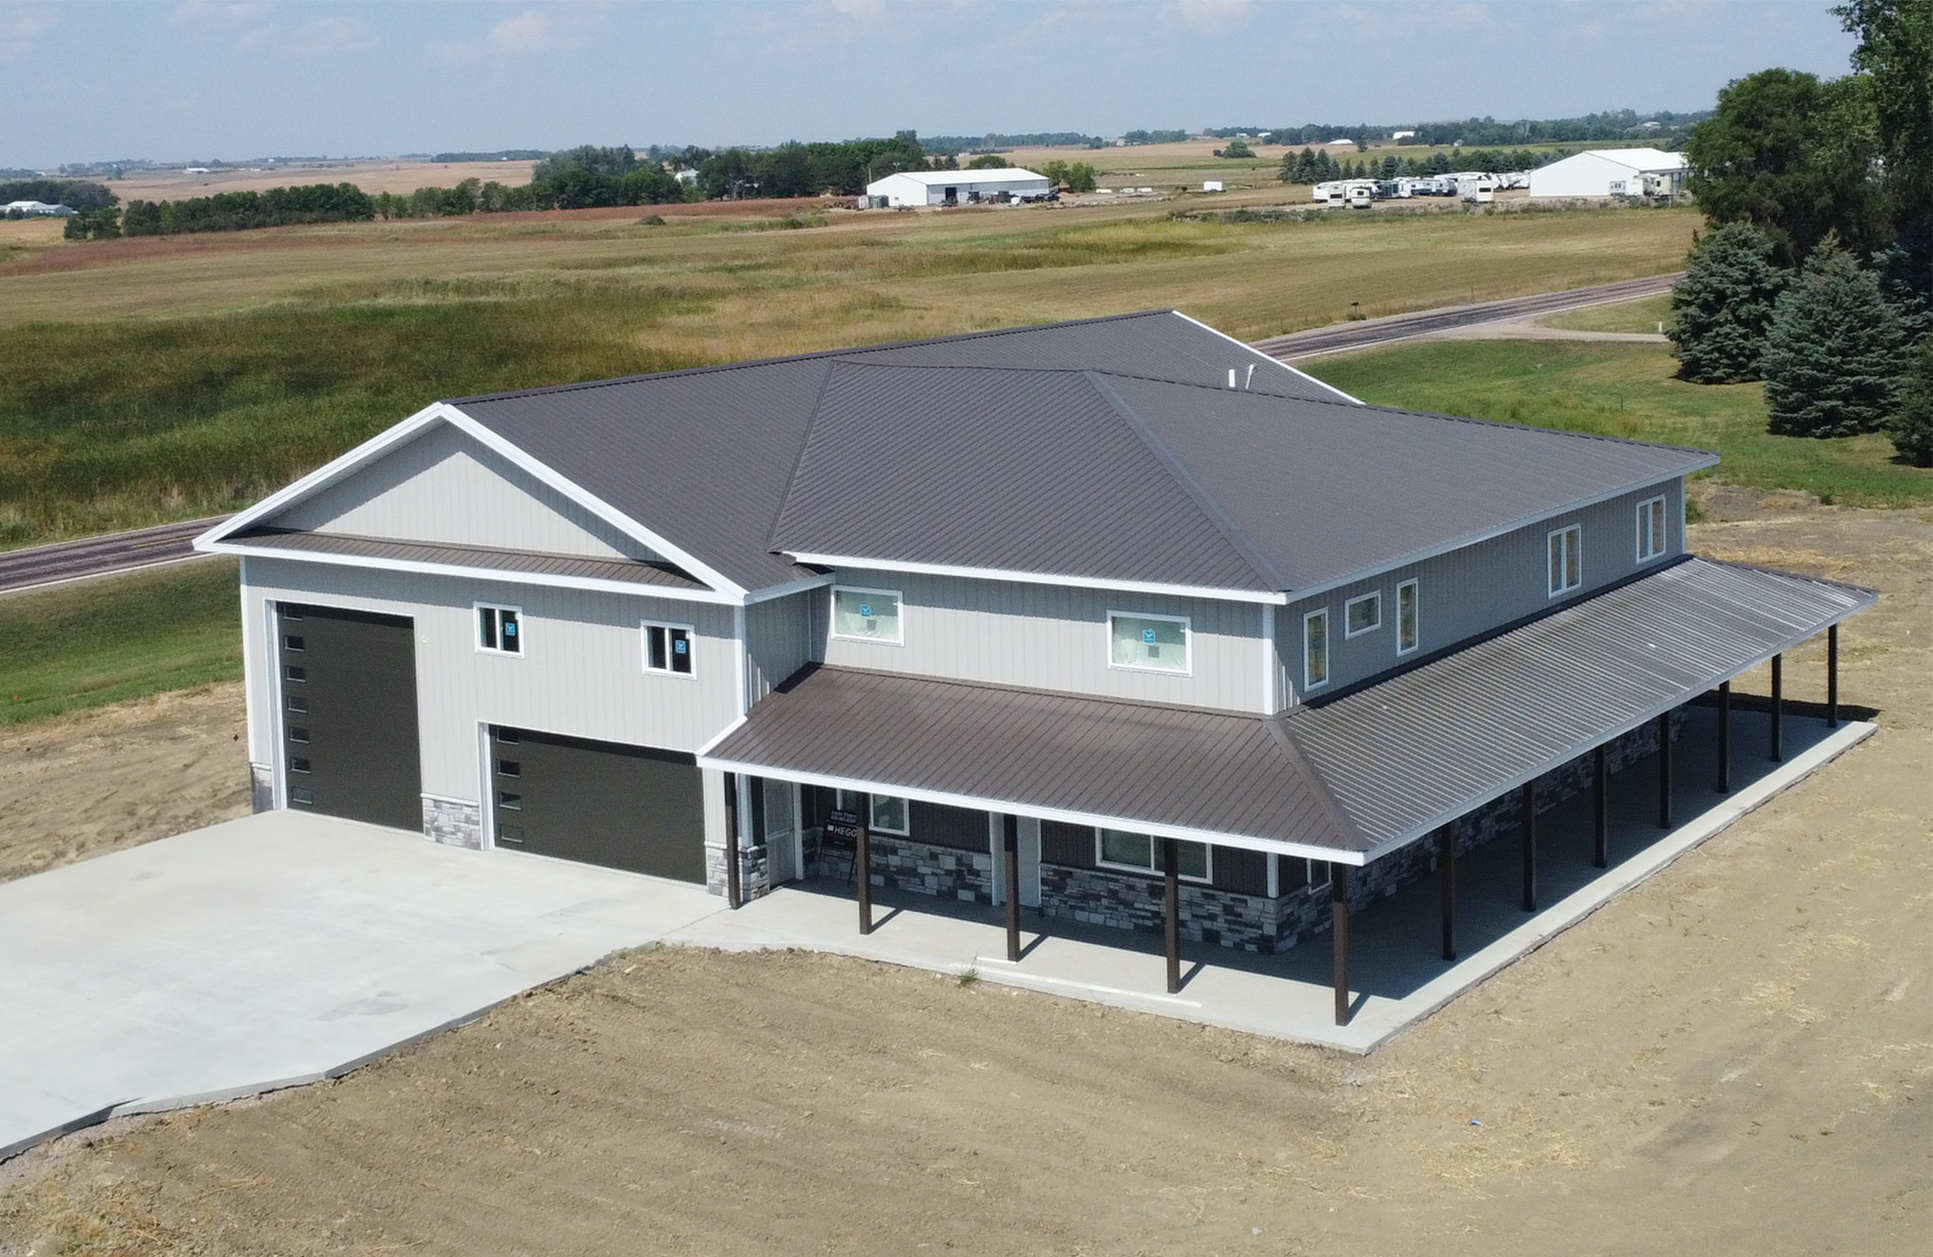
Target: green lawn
[
  {"x": 1646, "y": 314},
  {"x": 1626, "y": 390},
  {"x": 99, "y": 642}
]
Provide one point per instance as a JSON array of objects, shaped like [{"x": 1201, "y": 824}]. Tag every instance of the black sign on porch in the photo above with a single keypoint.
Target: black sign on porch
[{"x": 842, "y": 825}]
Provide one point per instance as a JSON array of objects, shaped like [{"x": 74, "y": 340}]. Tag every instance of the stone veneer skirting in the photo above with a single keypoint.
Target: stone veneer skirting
[
  {"x": 924, "y": 869},
  {"x": 754, "y": 870},
  {"x": 452, "y": 822}
]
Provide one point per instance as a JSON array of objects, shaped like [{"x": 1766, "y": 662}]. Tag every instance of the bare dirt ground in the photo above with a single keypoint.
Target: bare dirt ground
[{"x": 1734, "y": 1057}]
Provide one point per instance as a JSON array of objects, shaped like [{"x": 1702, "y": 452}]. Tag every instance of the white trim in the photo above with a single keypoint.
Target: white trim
[
  {"x": 1090, "y": 819},
  {"x": 899, "y": 614},
  {"x": 742, "y": 680},
  {"x": 1153, "y": 867},
  {"x": 1271, "y": 693},
  {"x": 486, "y": 799},
  {"x": 476, "y": 629},
  {"x": 1187, "y": 643},
  {"x": 1644, "y": 525},
  {"x": 792, "y": 587},
  {"x": 1328, "y": 663},
  {"x": 278, "y": 771},
  {"x": 496, "y": 575},
  {"x": 1416, "y": 606},
  {"x": 691, "y": 648},
  {"x": 1556, "y": 590},
  {"x": 705, "y": 747},
  {"x": 1375, "y": 595},
  {"x": 1309, "y": 882},
  {"x": 1265, "y": 358},
  {"x": 814, "y": 559},
  {"x": 1274, "y": 886}
]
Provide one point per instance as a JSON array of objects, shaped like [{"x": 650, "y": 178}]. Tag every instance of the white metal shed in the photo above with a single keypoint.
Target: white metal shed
[{"x": 957, "y": 187}]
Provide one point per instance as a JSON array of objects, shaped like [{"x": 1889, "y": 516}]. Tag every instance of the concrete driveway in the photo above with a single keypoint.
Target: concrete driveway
[{"x": 277, "y": 950}]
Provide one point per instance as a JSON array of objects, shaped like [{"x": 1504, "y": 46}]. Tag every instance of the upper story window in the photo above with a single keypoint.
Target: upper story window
[
  {"x": 867, "y": 615},
  {"x": 1362, "y": 615},
  {"x": 1153, "y": 643},
  {"x": 1566, "y": 559},
  {"x": 1315, "y": 649},
  {"x": 1141, "y": 853},
  {"x": 667, "y": 648},
  {"x": 500, "y": 629},
  {"x": 1408, "y": 622},
  {"x": 1651, "y": 529}
]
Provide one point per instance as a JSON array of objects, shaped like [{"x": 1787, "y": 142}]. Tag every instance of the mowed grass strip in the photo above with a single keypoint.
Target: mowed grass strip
[
  {"x": 1626, "y": 390},
  {"x": 98, "y": 642}
]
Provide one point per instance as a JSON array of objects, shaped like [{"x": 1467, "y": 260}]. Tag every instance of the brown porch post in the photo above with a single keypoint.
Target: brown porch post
[
  {"x": 1601, "y": 806},
  {"x": 734, "y": 888},
  {"x": 862, "y": 876},
  {"x": 1778, "y": 708},
  {"x": 1339, "y": 936},
  {"x": 1171, "y": 923},
  {"x": 1010, "y": 870},
  {"x": 1530, "y": 845},
  {"x": 1446, "y": 865},
  {"x": 1664, "y": 771},
  {"x": 1725, "y": 737},
  {"x": 1832, "y": 677}
]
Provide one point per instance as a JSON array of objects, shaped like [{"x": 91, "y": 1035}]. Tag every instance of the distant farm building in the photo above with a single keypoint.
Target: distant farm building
[
  {"x": 33, "y": 209},
  {"x": 1611, "y": 172},
  {"x": 957, "y": 187}
]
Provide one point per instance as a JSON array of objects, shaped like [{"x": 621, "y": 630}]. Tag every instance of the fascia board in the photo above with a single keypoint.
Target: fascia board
[
  {"x": 794, "y": 587},
  {"x": 594, "y": 504},
  {"x": 1491, "y": 534},
  {"x": 1268, "y": 846},
  {"x": 324, "y": 476},
  {"x": 1037, "y": 578},
  {"x": 1274, "y": 362},
  {"x": 493, "y": 574}
]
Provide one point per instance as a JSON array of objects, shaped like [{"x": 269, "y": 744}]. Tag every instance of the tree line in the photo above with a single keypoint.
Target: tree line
[{"x": 1309, "y": 166}]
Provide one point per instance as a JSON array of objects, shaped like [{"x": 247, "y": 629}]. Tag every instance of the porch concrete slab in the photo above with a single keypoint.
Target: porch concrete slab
[
  {"x": 1398, "y": 974},
  {"x": 276, "y": 950}
]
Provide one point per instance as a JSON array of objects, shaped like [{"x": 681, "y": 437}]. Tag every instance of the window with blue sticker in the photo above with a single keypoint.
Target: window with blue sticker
[
  {"x": 870, "y": 615},
  {"x": 1156, "y": 643},
  {"x": 667, "y": 648},
  {"x": 499, "y": 630}
]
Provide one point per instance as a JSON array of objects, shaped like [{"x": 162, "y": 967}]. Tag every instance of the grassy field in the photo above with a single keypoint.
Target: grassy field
[
  {"x": 99, "y": 642},
  {"x": 1646, "y": 314},
  {"x": 1626, "y": 390},
  {"x": 159, "y": 379}
]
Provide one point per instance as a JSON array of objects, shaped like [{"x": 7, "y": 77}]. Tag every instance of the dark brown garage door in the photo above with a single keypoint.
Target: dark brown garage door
[
  {"x": 349, "y": 714},
  {"x": 625, "y": 807}
]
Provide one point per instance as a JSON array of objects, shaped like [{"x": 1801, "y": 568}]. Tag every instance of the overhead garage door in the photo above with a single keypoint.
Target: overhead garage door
[
  {"x": 349, "y": 743},
  {"x": 625, "y": 807}
]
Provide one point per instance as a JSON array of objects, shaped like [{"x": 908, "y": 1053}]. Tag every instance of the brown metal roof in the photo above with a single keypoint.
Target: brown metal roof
[
  {"x": 1356, "y": 778},
  {"x": 624, "y": 571}
]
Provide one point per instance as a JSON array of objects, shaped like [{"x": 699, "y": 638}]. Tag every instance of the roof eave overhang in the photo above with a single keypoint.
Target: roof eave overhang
[
  {"x": 816, "y": 559},
  {"x": 494, "y": 575}
]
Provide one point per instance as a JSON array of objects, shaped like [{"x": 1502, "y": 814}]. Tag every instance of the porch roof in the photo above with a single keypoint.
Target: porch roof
[{"x": 1348, "y": 779}]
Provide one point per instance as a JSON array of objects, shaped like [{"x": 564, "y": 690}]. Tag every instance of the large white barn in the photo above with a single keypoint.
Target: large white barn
[
  {"x": 1611, "y": 172},
  {"x": 957, "y": 187}
]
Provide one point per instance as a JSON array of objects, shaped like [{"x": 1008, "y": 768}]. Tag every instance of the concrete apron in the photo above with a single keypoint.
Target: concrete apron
[
  {"x": 278, "y": 950},
  {"x": 1397, "y": 971}
]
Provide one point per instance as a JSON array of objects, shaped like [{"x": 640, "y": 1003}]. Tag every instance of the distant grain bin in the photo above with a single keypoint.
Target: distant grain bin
[{"x": 958, "y": 187}]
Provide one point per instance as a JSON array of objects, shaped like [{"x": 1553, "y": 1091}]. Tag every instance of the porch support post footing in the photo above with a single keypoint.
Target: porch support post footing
[
  {"x": 1339, "y": 936},
  {"x": 1601, "y": 806},
  {"x": 862, "y": 870},
  {"x": 1171, "y": 917},
  {"x": 1725, "y": 737},
  {"x": 1664, "y": 771},
  {"x": 1778, "y": 708},
  {"x": 1530, "y": 845},
  {"x": 1010, "y": 875},
  {"x": 1446, "y": 866}
]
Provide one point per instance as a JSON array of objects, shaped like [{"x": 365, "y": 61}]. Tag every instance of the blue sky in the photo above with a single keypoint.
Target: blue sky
[{"x": 232, "y": 79}]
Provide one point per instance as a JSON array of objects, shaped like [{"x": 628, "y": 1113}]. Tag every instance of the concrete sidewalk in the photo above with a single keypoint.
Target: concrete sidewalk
[{"x": 275, "y": 950}]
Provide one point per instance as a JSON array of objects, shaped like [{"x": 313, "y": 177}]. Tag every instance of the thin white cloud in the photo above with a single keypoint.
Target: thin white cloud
[
  {"x": 1214, "y": 15},
  {"x": 217, "y": 13},
  {"x": 21, "y": 25},
  {"x": 323, "y": 37},
  {"x": 529, "y": 31}
]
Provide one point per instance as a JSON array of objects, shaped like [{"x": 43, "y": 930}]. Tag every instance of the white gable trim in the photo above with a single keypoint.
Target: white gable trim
[
  {"x": 848, "y": 561},
  {"x": 1274, "y": 362}
]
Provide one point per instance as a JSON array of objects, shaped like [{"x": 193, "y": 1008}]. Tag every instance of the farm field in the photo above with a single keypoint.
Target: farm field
[
  {"x": 157, "y": 379},
  {"x": 371, "y": 176},
  {"x": 1732, "y": 1057}
]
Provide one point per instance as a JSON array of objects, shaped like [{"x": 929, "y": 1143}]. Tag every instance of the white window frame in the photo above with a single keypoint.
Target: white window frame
[
  {"x": 1661, "y": 541},
  {"x": 476, "y": 628},
  {"x": 872, "y": 810},
  {"x": 832, "y": 614},
  {"x": 1309, "y": 882},
  {"x": 1187, "y": 643},
  {"x": 1375, "y": 595},
  {"x": 644, "y": 648},
  {"x": 1328, "y": 662},
  {"x": 1553, "y": 588},
  {"x": 1416, "y": 611},
  {"x": 1153, "y": 867}
]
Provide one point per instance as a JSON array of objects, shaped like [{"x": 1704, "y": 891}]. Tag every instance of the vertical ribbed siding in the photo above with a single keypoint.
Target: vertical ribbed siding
[{"x": 779, "y": 633}]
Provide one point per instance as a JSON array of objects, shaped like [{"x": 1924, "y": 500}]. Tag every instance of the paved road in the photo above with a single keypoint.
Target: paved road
[
  {"x": 1328, "y": 340},
  {"x": 146, "y": 547}
]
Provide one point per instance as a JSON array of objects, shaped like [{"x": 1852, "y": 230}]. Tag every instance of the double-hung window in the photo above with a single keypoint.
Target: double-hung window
[
  {"x": 1141, "y": 853},
  {"x": 667, "y": 648},
  {"x": 867, "y": 615},
  {"x": 1408, "y": 626},
  {"x": 500, "y": 629},
  {"x": 1566, "y": 559},
  {"x": 1151, "y": 643},
  {"x": 1651, "y": 529},
  {"x": 1315, "y": 649}
]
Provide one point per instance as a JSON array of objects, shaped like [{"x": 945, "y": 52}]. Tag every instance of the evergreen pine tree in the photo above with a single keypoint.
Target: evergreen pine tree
[
  {"x": 1911, "y": 426},
  {"x": 1721, "y": 308},
  {"x": 1832, "y": 354}
]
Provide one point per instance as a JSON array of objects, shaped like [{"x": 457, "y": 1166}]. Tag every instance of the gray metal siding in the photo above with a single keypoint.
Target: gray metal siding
[
  {"x": 778, "y": 639},
  {"x": 582, "y": 673},
  {"x": 1469, "y": 592},
  {"x": 1051, "y": 637},
  {"x": 443, "y": 487}
]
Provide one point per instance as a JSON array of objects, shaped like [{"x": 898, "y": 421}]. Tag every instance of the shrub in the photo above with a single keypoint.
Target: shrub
[
  {"x": 1911, "y": 426},
  {"x": 1832, "y": 354},
  {"x": 1721, "y": 308}
]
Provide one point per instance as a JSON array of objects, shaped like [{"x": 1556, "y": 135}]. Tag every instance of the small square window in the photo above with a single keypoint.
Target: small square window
[
  {"x": 1362, "y": 615},
  {"x": 1566, "y": 559},
  {"x": 301, "y": 796},
  {"x": 667, "y": 648},
  {"x": 294, "y": 673},
  {"x": 509, "y": 768},
  {"x": 292, "y": 642},
  {"x": 888, "y": 814},
  {"x": 500, "y": 630},
  {"x": 295, "y": 703},
  {"x": 297, "y": 764},
  {"x": 1152, "y": 643},
  {"x": 870, "y": 615},
  {"x": 513, "y": 834},
  {"x": 510, "y": 802}
]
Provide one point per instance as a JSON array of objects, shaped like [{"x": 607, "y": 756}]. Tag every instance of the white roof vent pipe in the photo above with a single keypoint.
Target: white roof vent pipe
[
  {"x": 1249, "y": 382},
  {"x": 1231, "y": 377}
]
